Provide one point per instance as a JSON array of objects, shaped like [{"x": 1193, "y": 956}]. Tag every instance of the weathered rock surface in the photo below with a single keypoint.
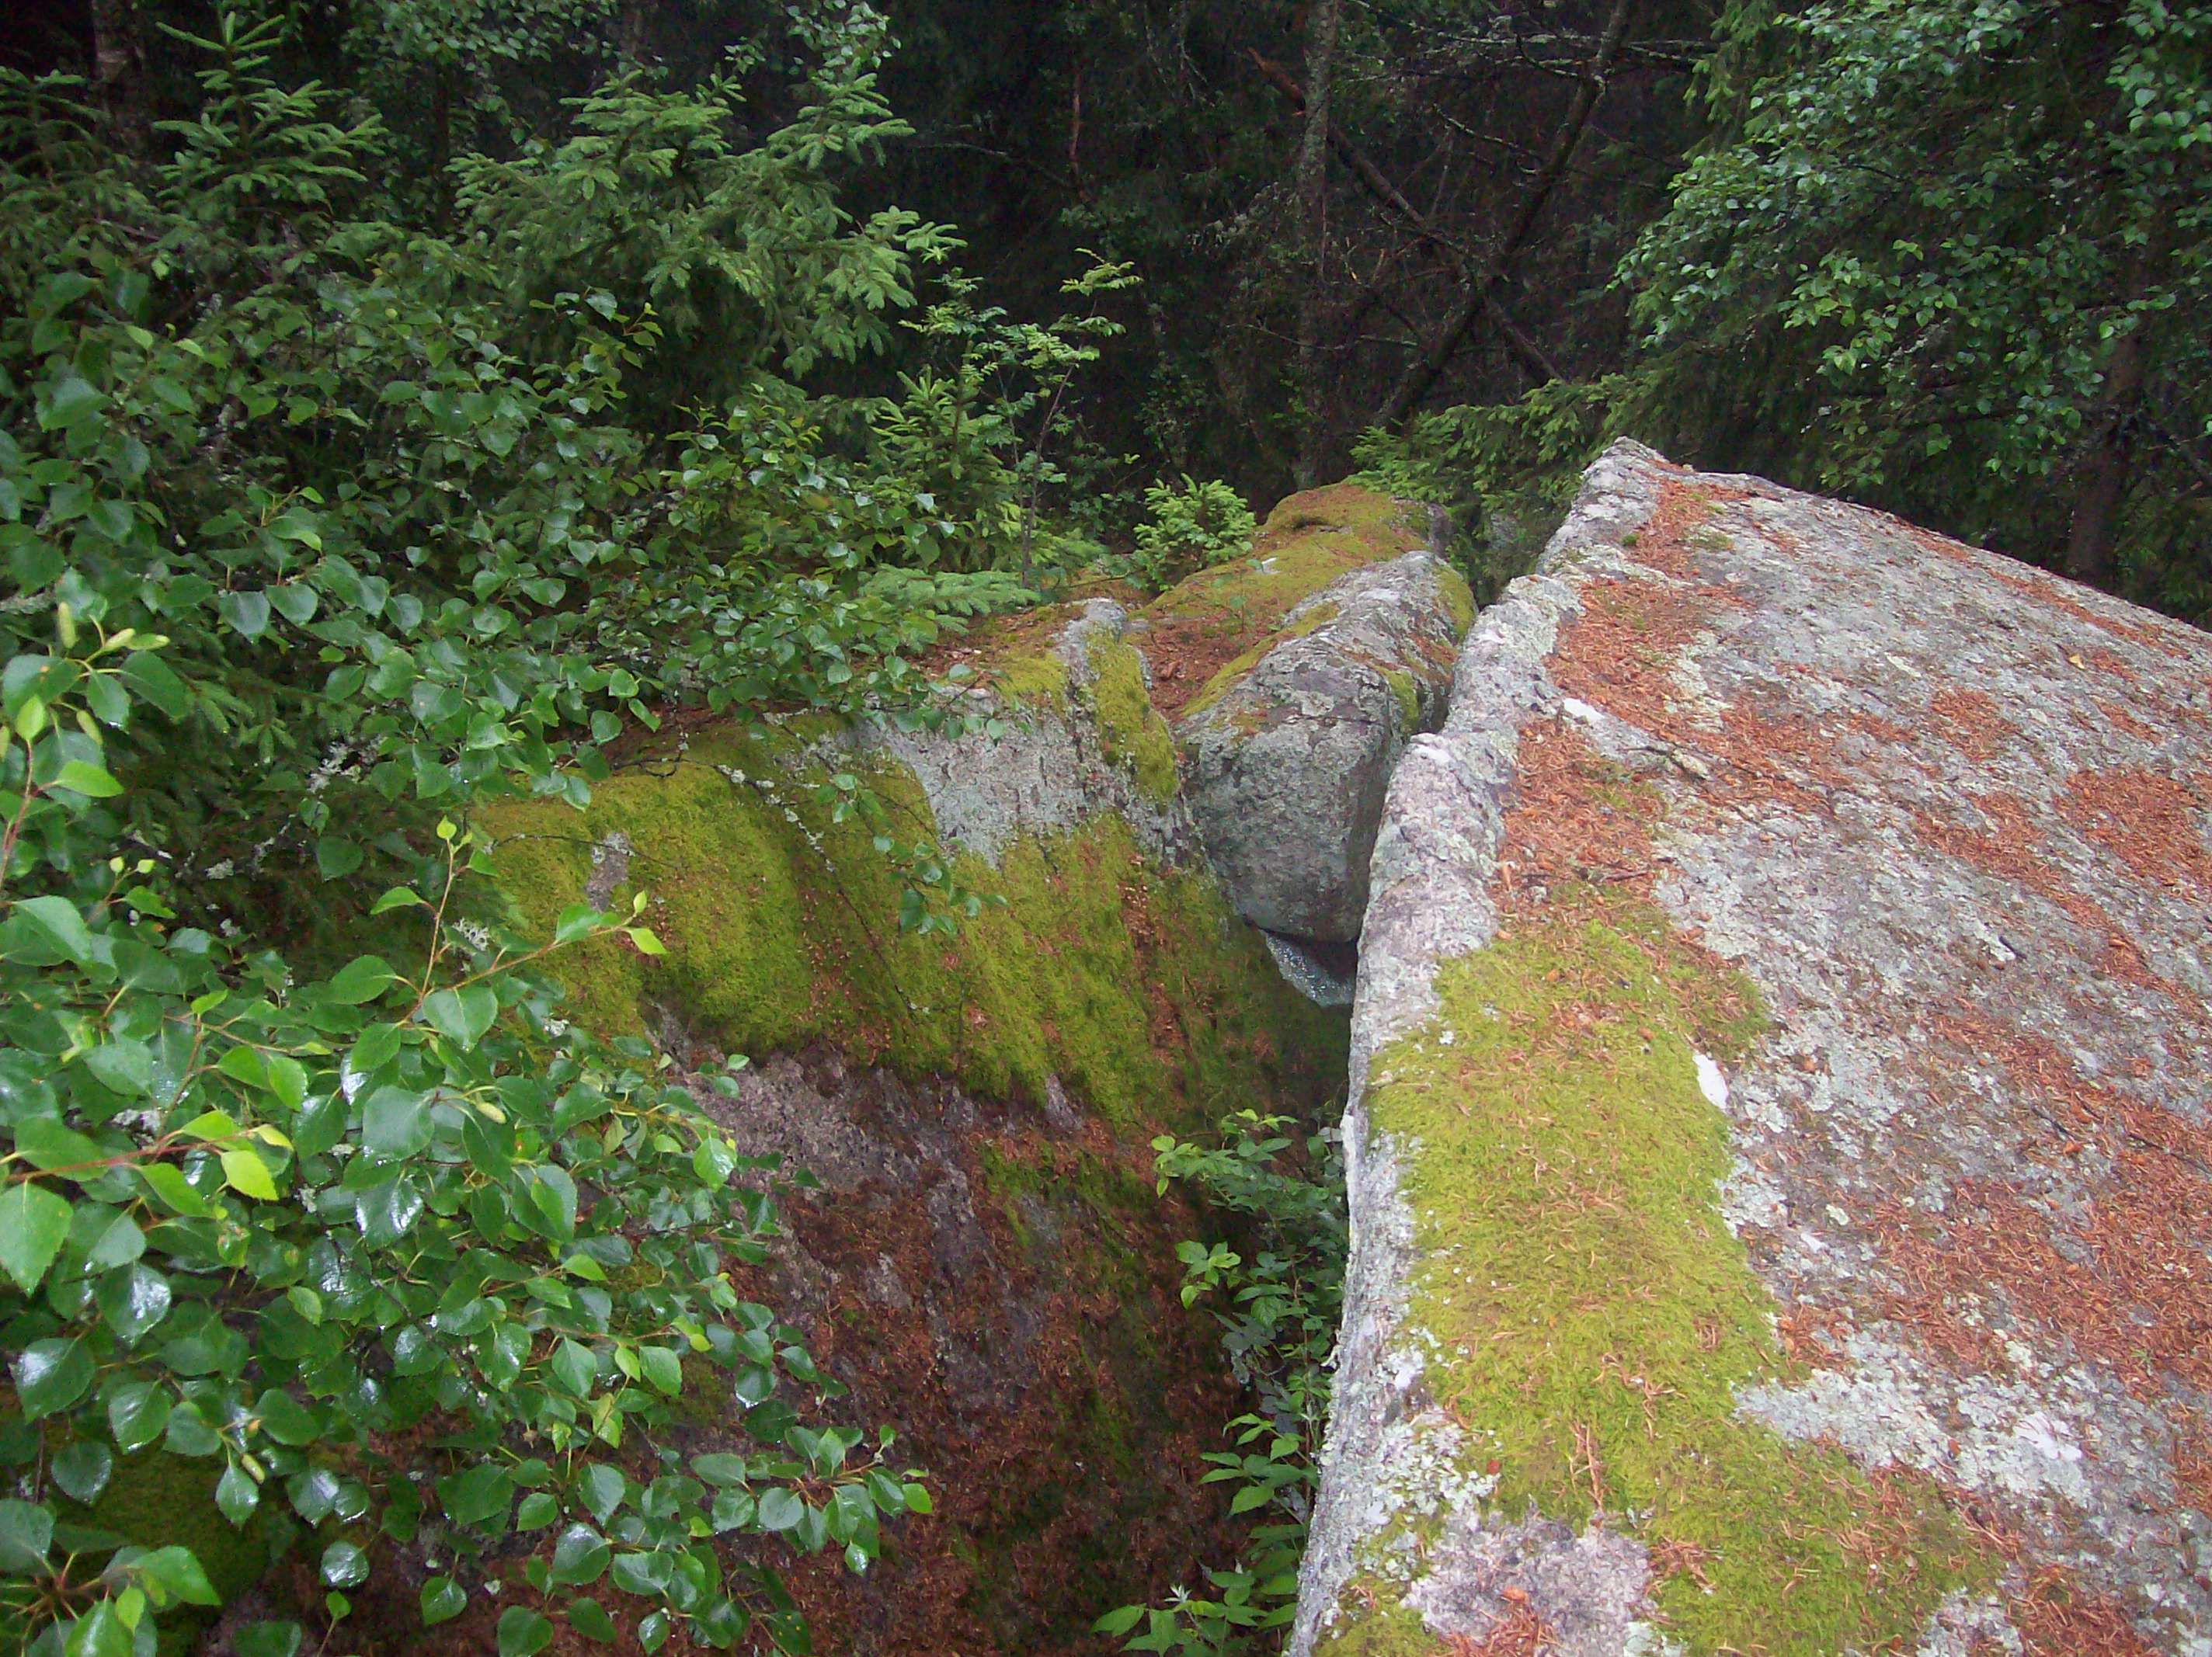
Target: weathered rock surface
[
  {"x": 1288, "y": 751},
  {"x": 1060, "y": 767},
  {"x": 1781, "y": 1132},
  {"x": 999, "y": 1284}
]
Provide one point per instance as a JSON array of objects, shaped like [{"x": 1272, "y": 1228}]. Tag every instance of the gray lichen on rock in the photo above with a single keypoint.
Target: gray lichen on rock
[{"x": 1047, "y": 769}]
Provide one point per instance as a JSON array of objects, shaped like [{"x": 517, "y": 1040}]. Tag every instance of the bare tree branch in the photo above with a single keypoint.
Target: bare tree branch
[
  {"x": 1479, "y": 299},
  {"x": 1313, "y": 217},
  {"x": 118, "y": 56},
  {"x": 1531, "y": 357}
]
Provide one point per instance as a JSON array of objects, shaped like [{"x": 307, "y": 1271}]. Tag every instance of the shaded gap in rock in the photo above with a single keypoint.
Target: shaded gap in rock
[{"x": 1323, "y": 972}]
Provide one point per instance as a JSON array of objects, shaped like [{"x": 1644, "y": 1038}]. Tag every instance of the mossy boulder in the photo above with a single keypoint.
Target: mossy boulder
[
  {"x": 1290, "y": 744},
  {"x": 1593, "y": 1322},
  {"x": 1308, "y": 540},
  {"x": 1776, "y": 1138},
  {"x": 782, "y": 924},
  {"x": 156, "y": 1498}
]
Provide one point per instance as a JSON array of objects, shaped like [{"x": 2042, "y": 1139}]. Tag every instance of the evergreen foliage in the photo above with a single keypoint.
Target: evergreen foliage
[{"x": 1191, "y": 528}]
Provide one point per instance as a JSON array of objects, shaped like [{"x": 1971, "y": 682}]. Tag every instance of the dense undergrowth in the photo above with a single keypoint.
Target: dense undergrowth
[
  {"x": 1092, "y": 968},
  {"x": 336, "y": 511}
]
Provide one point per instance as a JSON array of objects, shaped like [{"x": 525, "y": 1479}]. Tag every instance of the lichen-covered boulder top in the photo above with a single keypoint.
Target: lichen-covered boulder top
[
  {"x": 1782, "y": 1133},
  {"x": 1312, "y": 661}
]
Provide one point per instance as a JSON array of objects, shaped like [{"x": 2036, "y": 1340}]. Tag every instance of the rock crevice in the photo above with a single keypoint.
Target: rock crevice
[{"x": 979, "y": 1253}]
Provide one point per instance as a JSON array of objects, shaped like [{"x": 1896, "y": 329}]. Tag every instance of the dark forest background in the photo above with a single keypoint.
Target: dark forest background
[{"x": 1940, "y": 256}]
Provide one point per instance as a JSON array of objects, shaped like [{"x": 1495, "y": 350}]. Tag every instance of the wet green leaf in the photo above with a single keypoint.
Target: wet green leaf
[
  {"x": 442, "y": 1600},
  {"x": 344, "y": 1565},
  {"x": 33, "y": 1223},
  {"x": 580, "y": 1556},
  {"x": 244, "y": 1172},
  {"x": 522, "y": 1632},
  {"x": 50, "y": 1375},
  {"x": 81, "y": 1469},
  {"x": 591, "y": 1620}
]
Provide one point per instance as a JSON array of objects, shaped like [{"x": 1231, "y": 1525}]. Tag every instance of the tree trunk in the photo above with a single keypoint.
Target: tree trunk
[
  {"x": 1312, "y": 184},
  {"x": 118, "y": 60},
  {"x": 2092, "y": 539},
  {"x": 2092, "y": 546},
  {"x": 1539, "y": 368},
  {"x": 1478, "y": 299},
  {"x": 630, "y": 34},
  {"x": 442, "y": 139}
]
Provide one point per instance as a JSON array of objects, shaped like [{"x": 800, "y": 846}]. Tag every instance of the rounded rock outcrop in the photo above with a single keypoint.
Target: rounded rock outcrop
[{"x": 1287, "y": 755}]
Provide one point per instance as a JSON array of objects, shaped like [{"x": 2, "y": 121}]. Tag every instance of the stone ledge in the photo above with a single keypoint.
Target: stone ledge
[{"x": 1285, "y": 762}]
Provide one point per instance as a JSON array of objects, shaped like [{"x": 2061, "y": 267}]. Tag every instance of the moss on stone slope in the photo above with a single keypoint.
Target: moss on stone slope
[
  {"x": 1032, "y": 679},
  {"x": 1409, "y": 698},
  {"x": 1230, "y": 673},
  {"x": 1130, "y": 982},
  {"x": 1597, "y": 1319},
  {"x": 1308, "y": 541},
  {"x": 1214, "y": 626},
  {"x": 1132, "y": 733},
  {"x": 1218, "y": 624},
  {"x": 1133, "y": 983}
]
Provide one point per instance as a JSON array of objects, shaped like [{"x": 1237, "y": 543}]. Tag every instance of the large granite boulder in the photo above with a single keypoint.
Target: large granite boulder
[
  {"x": 1781, "y": 1135},
  {"x": 1289, "y": 746}
]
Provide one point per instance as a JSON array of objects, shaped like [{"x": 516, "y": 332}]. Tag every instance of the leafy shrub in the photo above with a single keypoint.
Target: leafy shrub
[
  {"x": 320, "y": 526},
  {"x": 1504, "y": 472},
  {"x": 1194, "y": 527},
  {"x": 992, "y": 421},
  {"x": 1276, "y": 1295},
  {"x": 282, "y": 1226},
  {"x": 1952, "y": 261}
]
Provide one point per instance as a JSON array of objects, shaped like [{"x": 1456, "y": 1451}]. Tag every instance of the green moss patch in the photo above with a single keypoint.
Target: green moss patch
[
  {"x": 1390, "y": 1630},
  {"x": 1214, "y": 628},
  {"x": 1308, "y": 541},
  {"x": 1134, "y": 735},
  {"x": 1599, "y": 1317},
  {"x": 1210, "y": 629},
  {"x": 155, "y": 1498},
  {"x": 1409, "y": 697},
  {"x": 1032, "y": 679},
  {"x": 1015, "y": 654},
  {"x": 1134, "y": 984},
  {"x": 1459, "y": 599}
]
